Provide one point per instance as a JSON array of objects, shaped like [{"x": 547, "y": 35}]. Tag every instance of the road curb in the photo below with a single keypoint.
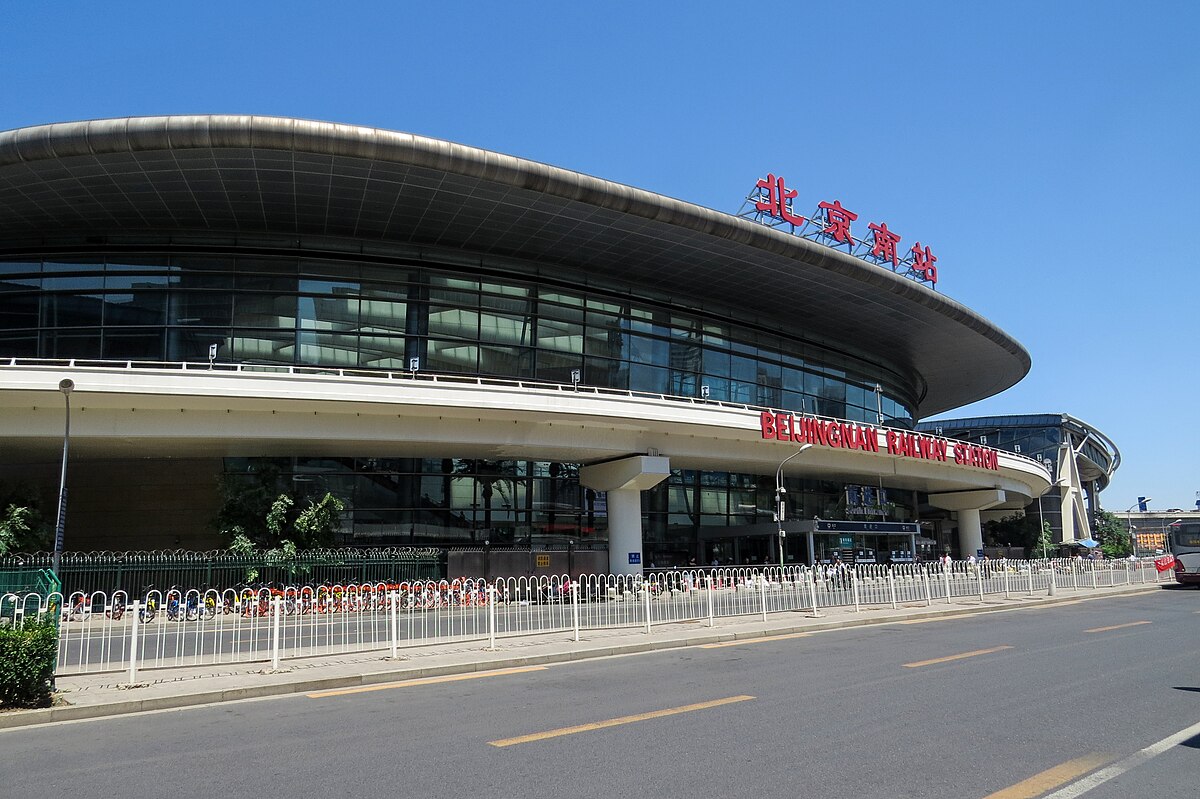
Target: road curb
[{"x": 26, "y": 718}]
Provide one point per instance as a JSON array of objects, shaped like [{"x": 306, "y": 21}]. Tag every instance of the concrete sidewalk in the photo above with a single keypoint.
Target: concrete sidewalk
[{"x": 108, "y": 694}]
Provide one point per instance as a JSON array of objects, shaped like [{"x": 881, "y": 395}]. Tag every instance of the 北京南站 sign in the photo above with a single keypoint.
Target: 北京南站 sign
[{"x": 831, "y": 224}]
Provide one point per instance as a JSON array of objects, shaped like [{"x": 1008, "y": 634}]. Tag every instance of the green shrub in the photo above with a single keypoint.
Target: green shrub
[{"x": 28, "y": 653}]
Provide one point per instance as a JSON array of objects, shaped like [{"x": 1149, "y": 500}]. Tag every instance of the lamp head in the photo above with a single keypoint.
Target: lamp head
[{"x": 66, "y": 386}]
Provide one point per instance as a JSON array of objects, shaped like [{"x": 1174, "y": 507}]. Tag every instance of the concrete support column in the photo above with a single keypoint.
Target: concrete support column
[
  {"x": 970, "y": 531},
  {"x": 968, "y": 504},
  {"x": 624, "y": 480},
  {"x": 625, "y": 531}
]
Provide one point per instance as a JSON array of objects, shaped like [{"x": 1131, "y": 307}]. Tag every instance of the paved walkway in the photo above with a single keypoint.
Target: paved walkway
[{"x": 108, "y": 694}]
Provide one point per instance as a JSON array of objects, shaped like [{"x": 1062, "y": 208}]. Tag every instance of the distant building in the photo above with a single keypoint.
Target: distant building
[{"x": 1080, "y": 458}]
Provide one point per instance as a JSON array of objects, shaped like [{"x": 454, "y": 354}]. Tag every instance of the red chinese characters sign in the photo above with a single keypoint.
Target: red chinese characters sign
[
  {"x": 833, "y": 220},
  {"x": 847, "y": 435}
]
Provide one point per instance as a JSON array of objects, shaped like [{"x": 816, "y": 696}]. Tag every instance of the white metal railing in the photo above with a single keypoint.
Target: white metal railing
[
  {"x": 419, "y": 376},
  {"x": 117, "y": 632}
]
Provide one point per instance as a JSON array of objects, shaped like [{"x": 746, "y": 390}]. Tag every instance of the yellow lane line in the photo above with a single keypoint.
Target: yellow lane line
[
  {"x": 765, "y": 639},
  {"x": 1038, "y": 784},
  {"x": 948, "y": 658},
  {"x": 599, "y": 725},
  {"x": 425, "y": 681},
  {"x": 1117, "y": 627}
]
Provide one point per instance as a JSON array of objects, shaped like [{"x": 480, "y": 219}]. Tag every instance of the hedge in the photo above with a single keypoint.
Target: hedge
[{"x": 28, "y": 653}]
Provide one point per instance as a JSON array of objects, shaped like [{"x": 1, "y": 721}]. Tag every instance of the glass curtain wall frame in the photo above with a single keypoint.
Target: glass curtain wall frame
[{"x": 348, "y": 314}]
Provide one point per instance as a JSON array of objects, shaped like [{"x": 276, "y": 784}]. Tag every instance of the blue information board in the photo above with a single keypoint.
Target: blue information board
[{"x": 635, "y": 557}]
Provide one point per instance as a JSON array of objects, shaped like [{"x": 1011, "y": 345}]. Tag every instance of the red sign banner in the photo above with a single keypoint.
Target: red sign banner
[
  {"x": 847, "y": 435},
  {"x": 1165, "y": 563}
]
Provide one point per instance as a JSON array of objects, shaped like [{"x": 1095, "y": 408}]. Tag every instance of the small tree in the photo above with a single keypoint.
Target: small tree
[
  {"x": 316, "y": 524},
  {"x": 1112, "y": 534}
]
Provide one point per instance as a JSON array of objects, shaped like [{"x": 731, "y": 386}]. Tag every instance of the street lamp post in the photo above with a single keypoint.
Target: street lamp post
[
  {"x": 66, "y": 387},
  {"x": 780, "y": 505},
  {"x": 1129, "y": 522}
]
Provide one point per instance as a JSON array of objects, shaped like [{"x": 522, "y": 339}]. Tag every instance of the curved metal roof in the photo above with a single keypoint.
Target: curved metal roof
[
  {"x": 1096, "y": 462},
  {"x": 252, "y": 174}
]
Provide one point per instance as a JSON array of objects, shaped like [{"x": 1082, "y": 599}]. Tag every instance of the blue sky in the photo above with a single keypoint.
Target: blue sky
[{"x": 1045, "y": 151}]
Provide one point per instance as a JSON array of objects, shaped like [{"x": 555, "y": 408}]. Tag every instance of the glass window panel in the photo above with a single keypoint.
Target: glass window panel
[
  {"x": 645, "y": 350},
  {"x": 87, "y": 264},
  {"x": 274, "y": 284},
  {"x": 327, "y": 313},
  {"x": 71, "y": 310},
  {"x": 505, "y": 329},
  {"x": 331, "y": 268},
  {"x": 505, "y": 361},
  {"x": 329, "y": 349},
  {"x": 84, "y": 282},
  {"x": 201, "y": 308},
  {"x": 30, "y": 269},
  {"x": 256, "y": 346},
  {"x": 647, "y": 321},
  {"x": 560, "y": 336},
  {"x": 716, "y": 363},
  {"x": 458, "y": 322},
  {"x": 188, "y": 344},
  {"x": 382, "y": 316},
  {"x": 71, "y": 344},
  {"x": 454, "y": 291},
  {"x": 18, "y": 310},
  {"x": 452, "y": 356},
  {"x": 746, "y": 393},
  {"x": 718, "y": 387},
  {"x": 653, "y": 379},
  {"x": 557, "y": 366},
  {"x": 336, "y": 288},
  {"x": 608, "y": 342},
  {"x": 606, "y": 373},
  {"x": 18, "y": 345},
  {"x": 140, "y": 308},
  {"x": 574, "y": 300},
  {"x": 134, "y": 345},
  {"x": 381, "y": 351},
  {"x": 714, "y": 500},
  {"x": 743, "y": 368},
  {"x": 264, "y": 310}
]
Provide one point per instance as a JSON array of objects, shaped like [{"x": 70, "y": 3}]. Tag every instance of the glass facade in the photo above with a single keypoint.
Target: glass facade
[
  {"x": 338, "y": 312},
  {"x": 541, "y": 505}
]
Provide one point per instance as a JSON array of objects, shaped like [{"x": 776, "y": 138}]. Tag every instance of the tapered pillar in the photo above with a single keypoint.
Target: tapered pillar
[{"x": 624, "y": 480}]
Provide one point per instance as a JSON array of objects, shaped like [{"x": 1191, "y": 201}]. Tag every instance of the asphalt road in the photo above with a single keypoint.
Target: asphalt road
[{"x": 1024, "y": 702}]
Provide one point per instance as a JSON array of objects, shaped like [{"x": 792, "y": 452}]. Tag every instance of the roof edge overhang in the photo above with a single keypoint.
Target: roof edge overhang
[{"x": 155, "y": 133}]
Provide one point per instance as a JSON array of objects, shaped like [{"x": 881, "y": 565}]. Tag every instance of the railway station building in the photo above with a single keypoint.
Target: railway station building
[{"x": 471, "y": 349}]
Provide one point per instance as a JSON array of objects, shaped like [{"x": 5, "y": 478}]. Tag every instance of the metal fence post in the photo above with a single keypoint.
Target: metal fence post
[
  {"x": 711, "y": 622},
  {"x": 946, "y": 580},
  {"x": 1094, "y": 585},
  {"x": 491, "y": 618},
  {"x": 892, "y": 587},
  {"x": 762, "y": 587},
  {"x": 646, "y": 592},
  {"x": 575, "y": 606},
  {"x": 276, "y": 621},
  {"x": 812, "y": 589},
  {"x": 133, "y": 641},
  {"x": 928, "y": 590},
  {"x": 1053, "y": 582},
  {"x": 394, "y": 616},
  {"x": 979, "y": 578},
  {"x": 1006, "y": 581},
  {"x": 854, "y": 588}
]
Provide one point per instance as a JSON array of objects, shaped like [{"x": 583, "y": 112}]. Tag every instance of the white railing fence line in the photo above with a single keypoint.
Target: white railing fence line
[{"x": 183, "y": 627}]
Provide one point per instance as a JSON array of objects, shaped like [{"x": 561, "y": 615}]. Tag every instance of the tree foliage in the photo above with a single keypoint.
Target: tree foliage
[
  {"x": 1017, "y": 530},
  {"x": 1112, "y": 534},
  {"x": 23, "y": 525}
]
